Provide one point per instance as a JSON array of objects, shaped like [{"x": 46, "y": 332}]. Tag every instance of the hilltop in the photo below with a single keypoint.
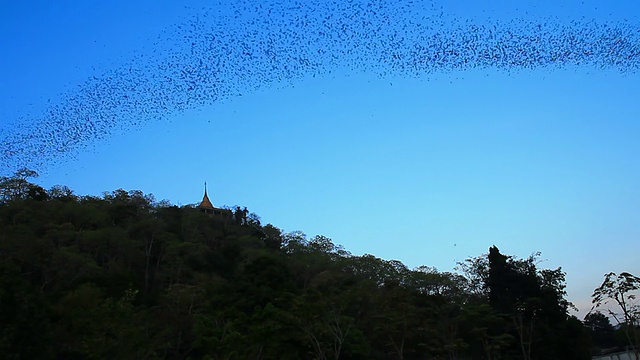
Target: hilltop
[{"x": 125, "y": 276}]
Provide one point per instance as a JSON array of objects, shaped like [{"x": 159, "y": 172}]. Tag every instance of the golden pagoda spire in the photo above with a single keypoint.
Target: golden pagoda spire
[{"x": 206, "y": 203}]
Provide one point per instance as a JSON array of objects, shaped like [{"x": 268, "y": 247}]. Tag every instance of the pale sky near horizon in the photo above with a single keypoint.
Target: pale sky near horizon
[{"x": 428, "y": 169}]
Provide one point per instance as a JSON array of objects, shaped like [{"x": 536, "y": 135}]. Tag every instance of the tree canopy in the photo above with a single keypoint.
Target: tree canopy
[{"x": 125, "y": 276}]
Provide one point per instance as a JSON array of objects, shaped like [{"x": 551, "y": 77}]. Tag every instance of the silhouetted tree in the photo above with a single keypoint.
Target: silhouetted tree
[
  {"x": 601, "y": 330},
  {"x": 620, "y": 289}
]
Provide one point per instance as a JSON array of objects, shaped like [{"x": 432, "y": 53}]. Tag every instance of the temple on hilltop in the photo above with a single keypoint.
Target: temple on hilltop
[{"x": 207, "y": 207}]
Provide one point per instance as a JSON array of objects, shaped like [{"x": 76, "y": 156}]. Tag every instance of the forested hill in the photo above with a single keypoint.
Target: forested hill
[{"x": 123, "y": 277}]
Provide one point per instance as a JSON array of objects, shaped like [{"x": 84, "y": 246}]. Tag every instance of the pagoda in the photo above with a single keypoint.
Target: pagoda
[{"x": 207, "y": 207}]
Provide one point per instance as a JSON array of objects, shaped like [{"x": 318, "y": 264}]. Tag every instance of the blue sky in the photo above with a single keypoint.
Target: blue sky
[{"x": 428, "y": 169}]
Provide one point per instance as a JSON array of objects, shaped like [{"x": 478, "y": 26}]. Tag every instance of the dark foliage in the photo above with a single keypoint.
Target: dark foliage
[{"x": 121, "y": 276}]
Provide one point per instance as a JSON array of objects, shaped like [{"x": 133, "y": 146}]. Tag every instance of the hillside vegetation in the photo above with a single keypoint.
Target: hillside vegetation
[{"x": 122, "y": 276}]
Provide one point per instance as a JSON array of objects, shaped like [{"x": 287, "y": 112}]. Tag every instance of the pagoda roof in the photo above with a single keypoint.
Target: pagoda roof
[{"x": 206, "y": 203}]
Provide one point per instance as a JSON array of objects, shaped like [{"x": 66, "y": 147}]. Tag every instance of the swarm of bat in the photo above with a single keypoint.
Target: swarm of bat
[{"x": 220, "y": 53}]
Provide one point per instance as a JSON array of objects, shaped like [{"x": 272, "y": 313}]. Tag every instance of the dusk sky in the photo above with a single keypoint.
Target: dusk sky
[{"x": 341, "y": 132}]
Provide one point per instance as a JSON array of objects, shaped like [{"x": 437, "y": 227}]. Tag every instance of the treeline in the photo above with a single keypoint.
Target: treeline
[{"x": 122, "y": 276}]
